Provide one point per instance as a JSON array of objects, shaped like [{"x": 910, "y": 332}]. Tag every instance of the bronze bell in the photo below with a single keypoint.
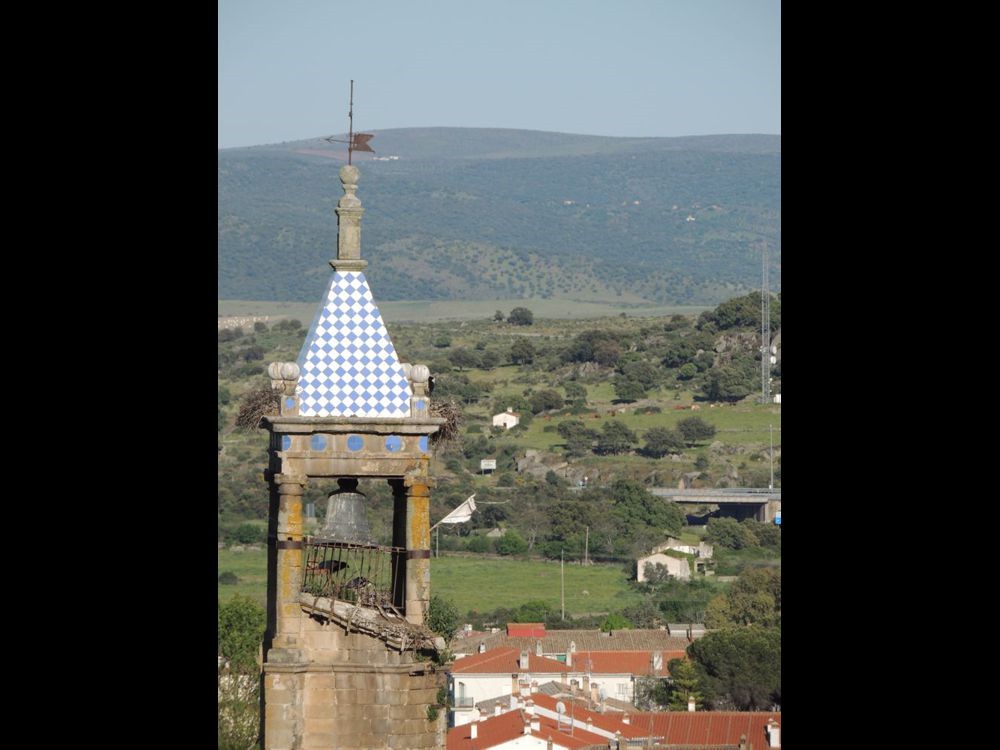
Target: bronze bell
[{"x": 346, "y": 521}]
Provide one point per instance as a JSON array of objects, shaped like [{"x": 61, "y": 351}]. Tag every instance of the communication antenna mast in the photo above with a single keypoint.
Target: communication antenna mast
[{"x": 765, "y": 333}]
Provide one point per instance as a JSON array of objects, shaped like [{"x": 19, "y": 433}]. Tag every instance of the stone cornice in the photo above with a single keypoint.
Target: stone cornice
[{"x": 384, "y": 426}]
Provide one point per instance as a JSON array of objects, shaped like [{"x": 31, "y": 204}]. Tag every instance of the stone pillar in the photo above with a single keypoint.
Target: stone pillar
[
  {"x": 289, "y": 560},
  {"x": 418, "y": 546},
  {"x": 349, "y": 212}
]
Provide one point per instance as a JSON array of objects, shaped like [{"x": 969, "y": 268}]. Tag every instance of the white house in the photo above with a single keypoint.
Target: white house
[
  {"x": 507, "y": 672},
  {"x": 676, "y": 567},
  {"x": 506, "y": 419},
  {"x": 502, "y": 671},
  {"x": 702, "y": 549},
  {"x": 613, "y": 674}
]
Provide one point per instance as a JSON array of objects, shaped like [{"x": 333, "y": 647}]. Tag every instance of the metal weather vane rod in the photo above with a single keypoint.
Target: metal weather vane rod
[{"x": 355, "y": 141}]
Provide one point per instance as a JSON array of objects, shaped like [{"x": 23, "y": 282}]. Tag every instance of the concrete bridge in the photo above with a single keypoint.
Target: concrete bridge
[{"x": 742, "y": 502}]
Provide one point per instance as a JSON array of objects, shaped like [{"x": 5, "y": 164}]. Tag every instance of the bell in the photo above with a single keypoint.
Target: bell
[{"x": 346, "y": 521}]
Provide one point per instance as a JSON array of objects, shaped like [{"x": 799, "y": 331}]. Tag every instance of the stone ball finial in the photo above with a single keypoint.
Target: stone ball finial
[
  {"x": 289, "y": 371},
  {"x": 406, "y": 369},
  {"x": 349, "y": 174},
  {"x": 419, "y": 373},
  {"x": 274, "y": 371}
]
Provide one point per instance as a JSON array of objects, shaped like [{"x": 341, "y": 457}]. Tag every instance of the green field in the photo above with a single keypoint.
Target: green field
[
  {"x": 250, "y": 567},
  {"x": 427, "y": 311},
  {"x": 484, "y": 584},
  {"x": 478, "y": 583}
]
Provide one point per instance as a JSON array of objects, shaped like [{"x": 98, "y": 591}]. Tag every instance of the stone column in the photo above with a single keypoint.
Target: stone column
[
  {"x": 418, "y": 546},
  {"x": 289, "y": 560},
  {"x": 349, "y": 212}
]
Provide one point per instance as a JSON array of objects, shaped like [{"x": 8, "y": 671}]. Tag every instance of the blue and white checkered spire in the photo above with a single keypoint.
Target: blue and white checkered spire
[{"x": 348, "y": 365}]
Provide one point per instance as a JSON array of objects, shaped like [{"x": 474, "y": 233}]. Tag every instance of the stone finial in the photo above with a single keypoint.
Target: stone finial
[
  {"x": 349, "y": 213},
  {"x": 419, "y": 377},
  {"x": 349, "y": 176},
  {"x": 284, "y": 376},
  {"x": 419, "y": 374}
]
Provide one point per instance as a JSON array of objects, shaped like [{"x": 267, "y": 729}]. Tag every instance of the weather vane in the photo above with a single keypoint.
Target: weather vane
[{"x": 355, "y": 141}]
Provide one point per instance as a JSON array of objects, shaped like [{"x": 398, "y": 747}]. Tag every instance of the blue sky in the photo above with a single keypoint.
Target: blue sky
[{"x": 623, "y": 68}]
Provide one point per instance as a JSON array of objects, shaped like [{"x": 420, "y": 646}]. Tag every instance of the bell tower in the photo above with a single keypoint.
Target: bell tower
[{"x": 345, "y": 615}]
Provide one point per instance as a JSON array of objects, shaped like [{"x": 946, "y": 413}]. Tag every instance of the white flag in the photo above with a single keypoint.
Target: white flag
[{"x": 462, "y": 513}]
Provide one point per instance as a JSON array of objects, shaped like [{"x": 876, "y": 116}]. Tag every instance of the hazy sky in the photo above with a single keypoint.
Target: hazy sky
[{"x": 600, "y": 67}]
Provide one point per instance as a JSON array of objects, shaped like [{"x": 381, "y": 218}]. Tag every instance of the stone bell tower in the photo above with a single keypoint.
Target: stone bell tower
[{"x": 345, "y": 616}]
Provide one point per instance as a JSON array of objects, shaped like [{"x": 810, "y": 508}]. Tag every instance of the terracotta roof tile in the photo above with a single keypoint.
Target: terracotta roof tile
[
  {"x": 557, "y": 641},
  {"x": 701, "y": 728},
  {"x": 505, "y": 661},
  {"x": 509, "y": 726},
  {"x": 526, "y": 629},
  {"x": 623, "y": 662}
]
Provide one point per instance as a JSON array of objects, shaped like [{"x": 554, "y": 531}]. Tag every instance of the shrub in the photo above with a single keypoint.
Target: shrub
[{"x": 512, "y": 543}]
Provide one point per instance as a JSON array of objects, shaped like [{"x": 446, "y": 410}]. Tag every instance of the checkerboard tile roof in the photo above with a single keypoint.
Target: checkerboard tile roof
[{"x": 348, "y": 365}]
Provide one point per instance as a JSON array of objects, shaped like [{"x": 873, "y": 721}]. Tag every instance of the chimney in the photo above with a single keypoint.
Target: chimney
[
  {"x": 467, "y": 627},
  {"x": 586, "y": 684},
  {"x": 474, "y": 730},
  {"x": 527, "y": 726},
  {"x": 590, "y": 724},
  {"x": 534, "y": 686},
  {"x": 496, "y": 710},
  {"x": 514, "y": 690},
  {"x": 523, "y": 663},
  {"x": 625, "y": 719},
  {"x": 513, "y": 702},
  {"x": 538, "y": 648},
  {"x": 536, "y": 724},
  {"x": 743, "y": 742},
  {"x": 773, "y": 733},
  {"x": 691, "y": 703},
  {"x": 482, "y": 647},
  {"x": 529, "y": 707},
  {"x": 548, "y": 744}
]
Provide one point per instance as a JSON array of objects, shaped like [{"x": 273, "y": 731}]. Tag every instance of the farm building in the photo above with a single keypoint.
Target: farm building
[{"x": 506, "y": 419}]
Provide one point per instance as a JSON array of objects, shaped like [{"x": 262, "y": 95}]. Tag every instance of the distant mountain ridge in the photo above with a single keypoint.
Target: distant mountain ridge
[{"x": 488, "y": 213}]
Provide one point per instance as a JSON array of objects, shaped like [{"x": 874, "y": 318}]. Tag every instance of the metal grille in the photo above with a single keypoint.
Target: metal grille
[{"x": 357, "y": 573}]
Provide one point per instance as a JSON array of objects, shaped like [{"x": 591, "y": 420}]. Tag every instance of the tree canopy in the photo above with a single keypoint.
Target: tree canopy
[
  {"x": 443, "y": 617},
  {"x": 661, "y": 440},
  {"x": 695, "y": 429},
  {"x": 241, "y": 629},
  {"x": 742, "y": 667},
  {"x": 615, "y": 438},
  {"x": 521, "y": 316}
]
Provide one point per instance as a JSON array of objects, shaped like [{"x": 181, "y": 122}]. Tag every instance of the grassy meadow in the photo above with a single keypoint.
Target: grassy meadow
[
  {"x": 476, "y": 583},
  {"x": 429, "y": 311}
]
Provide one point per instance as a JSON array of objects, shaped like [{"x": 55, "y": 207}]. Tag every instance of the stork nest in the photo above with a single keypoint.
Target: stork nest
[
  {"x": 260, "y": 402},
  {"x": 452, "y": 414}
]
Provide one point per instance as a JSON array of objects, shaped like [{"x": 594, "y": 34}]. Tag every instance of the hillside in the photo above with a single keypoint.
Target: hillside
[{"x": 468, "y": 213}]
